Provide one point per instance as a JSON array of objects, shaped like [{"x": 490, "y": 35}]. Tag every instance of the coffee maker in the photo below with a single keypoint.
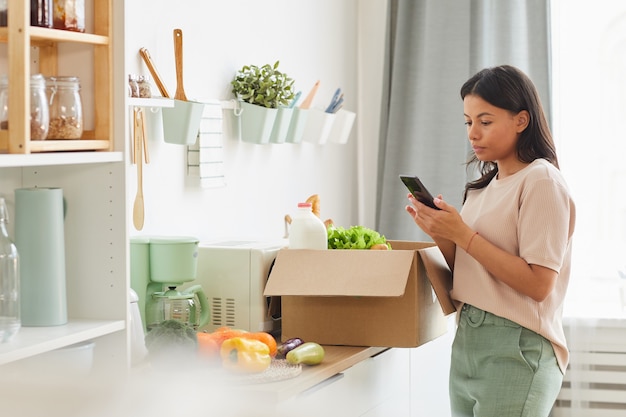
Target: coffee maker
[{"x": 158, "y": 266}]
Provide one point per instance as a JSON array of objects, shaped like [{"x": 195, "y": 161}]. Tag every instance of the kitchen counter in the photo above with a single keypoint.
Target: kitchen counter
[{"x": 336, "y": 360}]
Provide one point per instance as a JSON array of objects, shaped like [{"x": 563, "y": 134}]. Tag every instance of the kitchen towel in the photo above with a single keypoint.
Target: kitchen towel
[
  {"x": 205, "y": 158},
  {"x": 40, "y": 241}
]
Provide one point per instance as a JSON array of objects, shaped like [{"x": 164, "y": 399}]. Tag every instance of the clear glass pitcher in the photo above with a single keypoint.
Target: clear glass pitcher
[{"x": 190, "y": 307}]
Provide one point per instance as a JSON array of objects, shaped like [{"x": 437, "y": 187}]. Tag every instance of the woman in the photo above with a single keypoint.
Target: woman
[{"x": 510, "y": 252}]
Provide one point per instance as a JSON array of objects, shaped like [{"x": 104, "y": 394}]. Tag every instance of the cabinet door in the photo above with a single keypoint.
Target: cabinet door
[
  {"x": 377, "y": 386},
  {"x": 430, "y": 367}
]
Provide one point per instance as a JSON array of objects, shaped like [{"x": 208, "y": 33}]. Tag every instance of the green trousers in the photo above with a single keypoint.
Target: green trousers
[{"x": 501, "y": 369}]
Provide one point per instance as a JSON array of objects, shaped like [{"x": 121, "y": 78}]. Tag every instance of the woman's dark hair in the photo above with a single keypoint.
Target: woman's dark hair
[{"x": 510, "y": 89}]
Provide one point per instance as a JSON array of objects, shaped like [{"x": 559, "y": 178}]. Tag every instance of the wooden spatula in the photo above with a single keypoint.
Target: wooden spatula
[
  {"x": 138, "y": 209},
  {"x": 178, "y": 55}
]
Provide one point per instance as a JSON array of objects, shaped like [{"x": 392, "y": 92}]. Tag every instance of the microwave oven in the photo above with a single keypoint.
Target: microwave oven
[{"x": 233, "y": 275}]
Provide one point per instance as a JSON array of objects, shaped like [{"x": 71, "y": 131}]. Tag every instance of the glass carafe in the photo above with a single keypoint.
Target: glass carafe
[{"x": 189, "y": 307}]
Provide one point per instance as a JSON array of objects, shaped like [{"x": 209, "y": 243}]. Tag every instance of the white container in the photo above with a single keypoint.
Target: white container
[{"x": 307, "y": 231}]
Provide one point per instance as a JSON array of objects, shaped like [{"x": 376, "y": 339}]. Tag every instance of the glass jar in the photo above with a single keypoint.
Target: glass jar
[
  {"x": 40, "y": 13},
  {"x": 66, "y": 108},
  {"x": 143, "y": 83},
  {"x": 133, "y": 86},
  {"x": 3, "y": 13},
  {"x": 69, "y": 15},
  {"x": 39, "y": 112}
]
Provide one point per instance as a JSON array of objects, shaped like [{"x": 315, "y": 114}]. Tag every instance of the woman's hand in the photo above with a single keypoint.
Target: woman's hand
[{"x": 443, "y": 224}]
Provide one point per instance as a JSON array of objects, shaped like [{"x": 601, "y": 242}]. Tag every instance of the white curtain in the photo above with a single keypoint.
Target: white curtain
[{"x": 433, "y": 47}]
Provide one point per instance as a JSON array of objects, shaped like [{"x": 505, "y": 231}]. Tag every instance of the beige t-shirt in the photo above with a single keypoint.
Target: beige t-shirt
[{"x": 530, "y": 214}]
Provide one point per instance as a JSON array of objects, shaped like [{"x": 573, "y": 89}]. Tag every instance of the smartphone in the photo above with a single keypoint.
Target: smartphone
[{"x": 418, "y": 190}]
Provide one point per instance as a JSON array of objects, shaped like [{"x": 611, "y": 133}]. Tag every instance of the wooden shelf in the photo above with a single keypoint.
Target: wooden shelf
[
  {"x": 20, "y": 37},
  {"x": 46, "y": 36},
  {"x": 89, "y": 170}
]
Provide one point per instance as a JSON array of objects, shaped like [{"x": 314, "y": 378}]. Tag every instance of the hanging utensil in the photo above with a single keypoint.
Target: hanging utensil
[
  {"x": 144, "y": 137},
  {"x": 178, "y": 55},
  {"x": 181, "y": 123},
  {"x": 138, "y": 207}
]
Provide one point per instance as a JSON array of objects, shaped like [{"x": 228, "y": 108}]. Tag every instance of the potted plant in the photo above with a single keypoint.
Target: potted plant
[{"x": 264, "y": 94}]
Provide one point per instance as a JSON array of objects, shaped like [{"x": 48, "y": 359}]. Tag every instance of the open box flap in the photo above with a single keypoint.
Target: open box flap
[
  {"x": 439, "y": 275},
  {"x": 340, "y": 273}
]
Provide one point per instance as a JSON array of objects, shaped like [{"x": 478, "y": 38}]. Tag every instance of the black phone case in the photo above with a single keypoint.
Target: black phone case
[{"x": 418, "y": 190}]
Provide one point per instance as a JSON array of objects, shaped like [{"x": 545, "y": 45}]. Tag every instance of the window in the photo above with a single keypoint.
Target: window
[{"x": 589, "y": 125}]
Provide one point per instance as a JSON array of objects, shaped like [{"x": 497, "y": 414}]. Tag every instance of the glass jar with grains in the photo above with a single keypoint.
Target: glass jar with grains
[
  {"x": 66, "y": 108},
  {"x": 39, "y": 113}
]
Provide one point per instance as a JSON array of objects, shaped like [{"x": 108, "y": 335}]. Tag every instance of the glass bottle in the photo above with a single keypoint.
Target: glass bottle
[
  {"x": 41, "y": 13},
  {"x": 66, "y": 108},
  {"x": 307, "y": 231},
  {"x": 69, "y": 15},
  {"x": 3, "y": 13},
  {"x": 39, "y": 112},
  {"x": 9, "y": 280}
]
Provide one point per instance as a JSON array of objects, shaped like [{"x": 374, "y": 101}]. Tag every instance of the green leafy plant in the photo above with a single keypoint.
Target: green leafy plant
[
  {"x": 265, "y": 86},
  {"x": 355, "y": 237}
]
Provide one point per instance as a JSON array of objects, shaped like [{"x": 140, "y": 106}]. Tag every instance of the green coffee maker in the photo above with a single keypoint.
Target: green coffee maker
[{"x": 158, "y": 266}]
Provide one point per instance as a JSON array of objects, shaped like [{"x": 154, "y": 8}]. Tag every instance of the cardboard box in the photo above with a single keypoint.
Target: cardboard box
[{"x": 362, "y": 297}]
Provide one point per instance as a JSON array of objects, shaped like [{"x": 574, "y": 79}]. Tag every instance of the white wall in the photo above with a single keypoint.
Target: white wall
[{"x": 314, "y": 40}]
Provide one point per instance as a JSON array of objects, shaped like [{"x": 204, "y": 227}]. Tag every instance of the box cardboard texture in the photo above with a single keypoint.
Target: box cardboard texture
[{"x": 360, "y": 297}]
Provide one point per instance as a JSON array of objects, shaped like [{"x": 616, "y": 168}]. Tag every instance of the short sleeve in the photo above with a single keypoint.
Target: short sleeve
[{"x": 545, "y": 222}]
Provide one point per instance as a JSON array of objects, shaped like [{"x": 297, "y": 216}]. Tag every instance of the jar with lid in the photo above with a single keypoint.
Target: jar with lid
[
  {"x": 39, "y": 112},
  {"x": 10, "y": 321},
  {"x": 69, "y": 15},
  {"x": 66, "y": 108},
  {"x": 143, "y": 84}
]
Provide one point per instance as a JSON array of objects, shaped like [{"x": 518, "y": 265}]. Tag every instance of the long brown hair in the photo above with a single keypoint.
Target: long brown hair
[{"x": 510, "y": 89}]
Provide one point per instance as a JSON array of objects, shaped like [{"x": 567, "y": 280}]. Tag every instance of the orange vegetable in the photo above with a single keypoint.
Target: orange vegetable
[
  {"x": 209, "y": 344},
  {"x": 266, "y": 338}
]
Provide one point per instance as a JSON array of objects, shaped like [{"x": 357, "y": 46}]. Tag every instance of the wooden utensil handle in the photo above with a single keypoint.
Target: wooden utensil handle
[
  {"x": 157, "y": 78},
  {"x": 178, "y": 55}
]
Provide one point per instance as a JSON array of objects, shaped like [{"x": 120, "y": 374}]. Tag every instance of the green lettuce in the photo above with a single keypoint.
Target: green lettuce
[{"x": 355, "y": 237}]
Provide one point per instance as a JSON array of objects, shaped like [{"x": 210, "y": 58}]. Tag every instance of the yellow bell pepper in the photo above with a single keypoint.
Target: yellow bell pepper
[{"x": 245, "y": 355}]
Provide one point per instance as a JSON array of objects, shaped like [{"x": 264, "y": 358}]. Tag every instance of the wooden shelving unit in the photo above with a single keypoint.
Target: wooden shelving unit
[
  {"x": 20, "y": 37},
  {"x": 91, "y": 171}
]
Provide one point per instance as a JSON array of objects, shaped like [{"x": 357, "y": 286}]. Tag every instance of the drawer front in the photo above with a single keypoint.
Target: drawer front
[{"x": 359, "y": 390}]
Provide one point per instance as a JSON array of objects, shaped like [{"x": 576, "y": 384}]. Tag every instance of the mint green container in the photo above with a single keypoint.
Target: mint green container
[
  {"x": 173, "y": 259},
  {"x": 40, "y": 241}
]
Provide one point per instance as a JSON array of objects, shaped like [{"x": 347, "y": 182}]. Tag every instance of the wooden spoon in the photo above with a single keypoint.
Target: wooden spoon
[
  {"x": 138, "y": 207},
  {"x": 178, "y": 55}
]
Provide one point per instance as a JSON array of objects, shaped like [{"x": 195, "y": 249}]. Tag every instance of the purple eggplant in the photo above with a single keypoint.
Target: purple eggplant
[{"x": 289, "y": 345}]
